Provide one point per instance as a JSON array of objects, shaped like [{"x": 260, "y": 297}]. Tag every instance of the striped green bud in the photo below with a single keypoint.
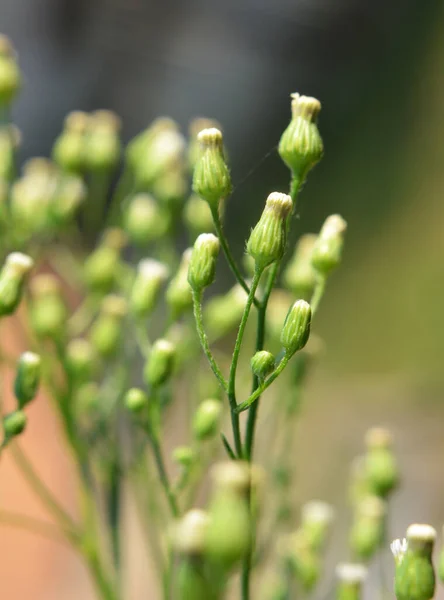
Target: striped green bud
[
  {"x": 178, "y": 294},
  {"x": 48, "y": 312},
  {"x": 301, "y": 146},
  {"x": 12, "y": 279},
  {"x": 296, "y": 329},
  {"x": 316, "y": 520},
  {"x": 367, "y": 533},
  {"x": 102, "y": 144},
  {"x": 136, "y": 400},
  {"x": 350, "y": 580},
  {"x": 202, "y": 267},
  {"x": 69, "y": 148},
  {"x": 299, "y": 276},
  {"x": 268, "y": 239},
  {"x": 151, "y": 274},
  {"x": 327, "y": 250},
  {"x": 211, "y": 177},
  {"x": 70, "y": 193},
  {"x": 194, "y": 146},
  {"x": 207, "y": 418},
  {"x": 14, "y": 424},
  {"x": 262, "y": 364},
  {"x": 159, "y": 366},
  {"x": 414, "y": 570},
  {"x": 80, "y": 360},
  {"x": 381, "y": 467},
  {"x": 145, "y": 221},
  {"x": 27, "y": 378},
  {"x": 10, "y": 77},
  {"x": 107, "y": 331},
  {"x": 190, "y": 532}
]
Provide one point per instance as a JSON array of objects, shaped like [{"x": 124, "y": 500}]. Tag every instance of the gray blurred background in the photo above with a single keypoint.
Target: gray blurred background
[{"x": 378, "y": 68}]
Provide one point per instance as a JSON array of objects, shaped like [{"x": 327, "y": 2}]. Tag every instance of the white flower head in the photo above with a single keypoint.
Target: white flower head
[{"x": 399, "y": 548}]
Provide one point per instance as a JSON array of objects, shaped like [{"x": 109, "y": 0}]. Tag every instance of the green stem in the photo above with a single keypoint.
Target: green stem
[
  {"x": 163, "y": 475},
  {"x": 260, "y": 390},
  {"x": 235, "y": 360},
  {"x": 226, "y": 250},
  {"x": 197, "y": 304},
  {"x": 38, "y": 527},
  {"x": 318, "y": 293}
]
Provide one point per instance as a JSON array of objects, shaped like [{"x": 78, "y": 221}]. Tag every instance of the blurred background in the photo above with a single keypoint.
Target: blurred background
[{"x": 378, "y": 69}]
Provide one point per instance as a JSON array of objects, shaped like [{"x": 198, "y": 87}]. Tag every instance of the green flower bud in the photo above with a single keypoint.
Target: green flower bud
[
  {"x": 102, "y": 144},
  {"x": 192, "y": 580},
  {"x": 136, "y": 400},
  {"x": 87, "y": 404},
  {"x": 211, "y": 177},
  {"x": 268, "y": 239},
  {"x": 190, "y": 533},
  {"x": 302, "y": 560},
  {"x": 171, "y": 188},
  {"x": 299, "y": 275},
  {"x": 194, "y": 146},
  {"x": 27, "y": 378},
  {"x": 184, "y": 456},
  {"x": 48, "y": 312},
  {"x": 296, "y": 329},
  {"x": 301, "y": 146},
  {"x": 327, "y": 250},
  {"x": 139, "y": 146},
  {"x": 12, "y": 279},
  {"x": 69, "y": 195},
  {"x": 178, "y": 294},
  {"x": 107, "y": 331},
  {"x": 9, "y": 141},
  {"x": 102, "y": 266},
  {"x": 367, "y": 533},
  {"x": 223, "y": 313},
  {"x": 151, "y": 274},
  {"x": 197, "y": 216},
  {"x": 160, "y": 364},
  {"x": 69, "y": 148},
  {"x": 414, "y": 572},
  {"x": 10, "y": 78},
  {"x": 229, "y": 533},
  {"x": 350, "y": 580},
  {"x": 262, "y": 364},
  {"x": 13, "y": 424},
  {"x": 316, "y": 520},
  {"x": 380, "y": 463},
  {"x": 207, "y": 418},
  {"x": 145, "y": 221},
  {"x": 80, "y": 360},
  {"x": 202, "y": 267}
]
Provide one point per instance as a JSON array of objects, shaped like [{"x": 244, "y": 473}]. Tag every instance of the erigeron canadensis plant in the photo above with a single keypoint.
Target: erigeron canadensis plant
[{"x": 98, "y": 324}]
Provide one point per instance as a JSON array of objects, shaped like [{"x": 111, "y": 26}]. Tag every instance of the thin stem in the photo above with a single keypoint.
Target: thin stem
[
  {"x": 260, "y": 390},
  {"x": 197, "y": 304},
  {"x": 318, "y": 293},
  {"x": 226, "y": 250},
  {"x": 40, "y": 488},
  {"x": 163, "y": 474},
  {"x": 37, "y": 526},
  {"x": 235, "y": 360}
]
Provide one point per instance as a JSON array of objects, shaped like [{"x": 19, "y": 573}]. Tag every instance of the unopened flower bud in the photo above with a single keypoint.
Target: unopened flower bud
[
  {"x": 170, "y": 189},
  {"x": 10, "y": 78},
  {"x": 350, "y": 581},
  {"x": 160, "y": 363},
  {"x": 262, "y": 364},
  {"x": 414, "y": 571},
  {"x": 190, "y": 533},
  {"x": 14, "y": 424},
  {"x": 102, "y": 145},
  {"x": 27, "y": 378},
  {"x": 102, "y": 266},
  {"x": 12, "y": 278},
  {"x": 69, "y": 148},
  {"x": 48, "y": 312},
  {"x": 145, "y": 221},
  {"x": 268, "y": 239},
  {"x": 327, "y": 250},
  {"x": 151, "y": 274},
  {"x": 178, "y": 294},
  {"x": 316, "y": 520},
  {"x": 300, "y": 276},
  {"x": 32, "y": 196},
  {"x": 106, "y": 332},
  {"x": 197, "y": 216},
  {"x": 80, "y": 360},
  {"x": 202, "y": 267},
  {"x": 184, "y": 456},
  {"x": 302, "y": 560},
  {"x": 211, "y": 177},
  {"x": 194, "y": 146},
  {"x": 296, "y": 329},
  {"x": 367, "y": 533},
  {"x": 380, "y": 463},
  {"x": 136, "y": 400},
  {"x": 207, "y": 419},
  {"x": 69, "y": 194},
  {"x": 301, "y": 146}
]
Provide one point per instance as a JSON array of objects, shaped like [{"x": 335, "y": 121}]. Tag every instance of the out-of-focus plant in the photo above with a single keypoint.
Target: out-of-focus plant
[{"x": 98, "y": 326}]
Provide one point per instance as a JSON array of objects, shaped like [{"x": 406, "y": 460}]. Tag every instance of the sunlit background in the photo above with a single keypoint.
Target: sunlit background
[{"x": 378, "y": 69}]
